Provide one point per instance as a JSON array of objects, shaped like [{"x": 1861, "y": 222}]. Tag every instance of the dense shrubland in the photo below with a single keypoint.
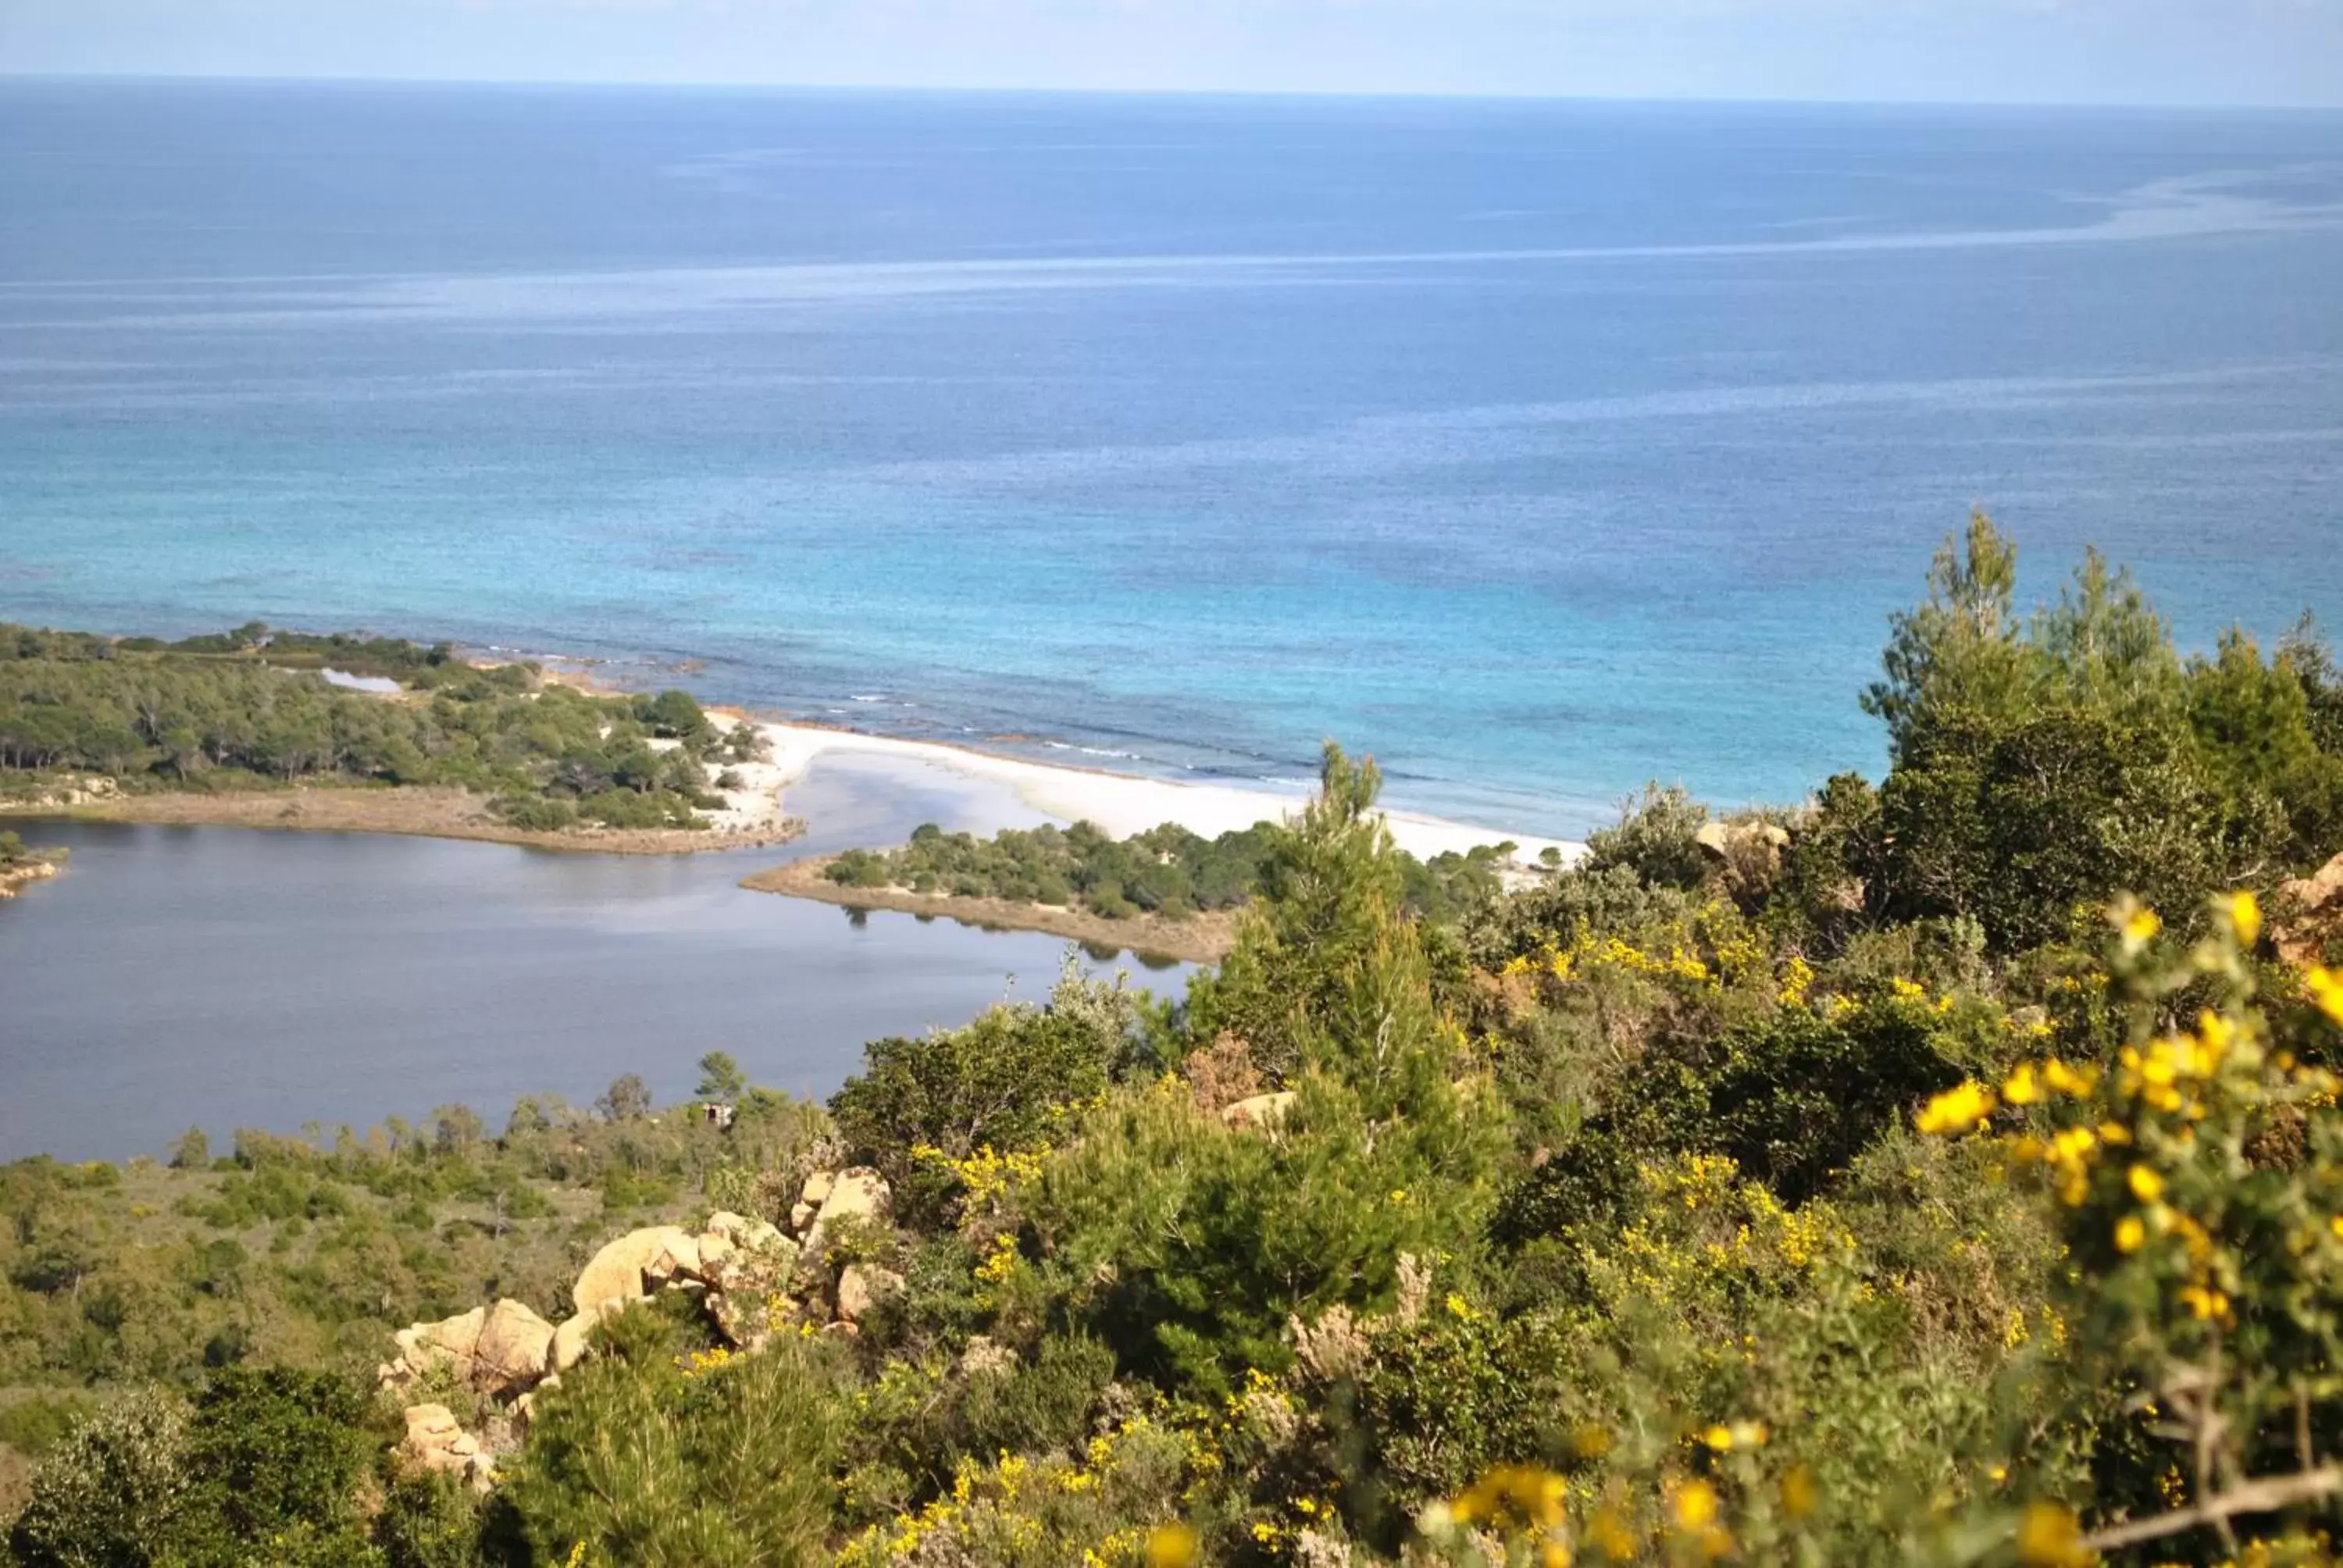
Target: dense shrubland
[
  {"x": 249, "y": 709},
  {"x": 1167, "y": 871},
  {"x": 1898, "y": 1186}
]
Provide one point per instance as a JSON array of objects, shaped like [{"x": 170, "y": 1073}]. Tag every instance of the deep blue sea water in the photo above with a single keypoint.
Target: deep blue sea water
[{"x": 1541, "y": 448}]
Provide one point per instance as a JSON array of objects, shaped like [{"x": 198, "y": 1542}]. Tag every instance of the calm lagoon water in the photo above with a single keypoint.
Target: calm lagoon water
[
  {"x": 227, "y": 978},
  {"x": 1540, "y": 447}
]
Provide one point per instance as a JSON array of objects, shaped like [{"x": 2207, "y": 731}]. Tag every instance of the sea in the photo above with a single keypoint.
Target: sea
[{"x": 1539, "y": 448}]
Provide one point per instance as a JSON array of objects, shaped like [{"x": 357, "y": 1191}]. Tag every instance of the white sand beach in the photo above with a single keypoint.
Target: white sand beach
[{"x": 1120, "y": 803}]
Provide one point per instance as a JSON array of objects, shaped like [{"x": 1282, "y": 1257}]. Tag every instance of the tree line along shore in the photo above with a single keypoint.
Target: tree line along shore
[
  {"x": 260, "y": 728},
  {"x": 1944, "y": 1171},
  {"x": 267, "y": 727}
]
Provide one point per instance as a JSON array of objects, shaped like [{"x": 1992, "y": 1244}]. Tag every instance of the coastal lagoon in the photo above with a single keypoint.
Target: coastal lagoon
[
  {"x": 1540, "y": 448},
  {"x": 224, "y": 977}
]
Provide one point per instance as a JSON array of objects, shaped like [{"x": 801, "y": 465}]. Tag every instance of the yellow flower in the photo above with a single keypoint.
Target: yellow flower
[
  {"x": 2129, "y": 1233},
  {"x": 2023, "y": 1087},
  {"x": 2065, "y": 1079},
  {"x": 1695, "y": 1505},
  {"x": 2206, "y": 1303},
  {"x": 2246, "y": 918},
  {"x": 1719, "y": 1438},
  {"x": 1609, "y": 1534},
  {"x": 2145, "y": 1185},
  {"x": 2139, "y": 928},
  {"x": 1957, "y": 1110},
  {"x": 1171, "y": 1546},
  {"x": 2048, "y": 1538},
  {"x": 2327, "y": 991}
]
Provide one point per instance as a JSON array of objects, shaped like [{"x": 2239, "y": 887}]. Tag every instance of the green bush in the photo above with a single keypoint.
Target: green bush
[
  {"x": 114, "y": 1494},
  {"x": 651, "y": 1465}
]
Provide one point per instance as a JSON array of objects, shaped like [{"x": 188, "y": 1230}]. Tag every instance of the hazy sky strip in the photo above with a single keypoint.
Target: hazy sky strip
[{"x": 2191, "y": 51}]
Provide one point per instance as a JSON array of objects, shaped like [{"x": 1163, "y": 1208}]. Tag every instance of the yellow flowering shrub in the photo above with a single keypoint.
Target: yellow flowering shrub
[{"x": 2199, "y": 1184}]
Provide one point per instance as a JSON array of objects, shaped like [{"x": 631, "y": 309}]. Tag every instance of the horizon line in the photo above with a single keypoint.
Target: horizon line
[{"x": 1419, "y": 95}]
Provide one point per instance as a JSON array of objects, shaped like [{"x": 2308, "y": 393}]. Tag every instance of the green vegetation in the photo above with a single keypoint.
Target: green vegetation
[
  {"x": 1872, "y": 1181},
  {"x": 1167, "y": 871},
  {"x": 15, "y": 854},
  {"x": 247, "y": 709}
]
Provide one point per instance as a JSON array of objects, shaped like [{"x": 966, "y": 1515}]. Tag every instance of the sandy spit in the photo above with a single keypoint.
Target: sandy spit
[{"x": 1120, "y": 803}]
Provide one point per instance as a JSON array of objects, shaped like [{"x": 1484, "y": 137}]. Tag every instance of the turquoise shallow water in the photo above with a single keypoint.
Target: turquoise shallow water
[{"x": 1540, "y": 448}]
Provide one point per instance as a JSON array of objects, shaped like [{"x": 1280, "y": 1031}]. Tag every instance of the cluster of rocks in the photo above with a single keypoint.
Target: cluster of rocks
[
  {"x": 14, "y": 876},
  {"x": 750, "y": 1276}
]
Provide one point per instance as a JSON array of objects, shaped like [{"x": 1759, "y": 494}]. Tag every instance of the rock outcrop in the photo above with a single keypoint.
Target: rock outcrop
[
  {"x": 1261, "y": 1111},
  {"x": 859, "y": 1193},
  {"x": 14, "y": 876},
  {"x": 515, "y": 1350},
  {"x": 449, "y": 1342},
  {"x": 2308, "y": 914},
  {"x": 862, "y": 1288},
  {"x": 745, "y": 1274},
  {"x": 616, "y": 1272},
  {"x": 436, "y": 1440}
]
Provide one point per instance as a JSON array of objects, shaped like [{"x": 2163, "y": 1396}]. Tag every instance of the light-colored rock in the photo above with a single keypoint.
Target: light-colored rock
[
  {"x": 678, "y": 1258},
  {"x": 985, "y": 1358},
  {"x": 513, "y": 1347},
  {"x": 1263, "y": 1110},
  {"x": 802, "y": 1215},
  {"x": 570, "y": 1340},
  {"x": 1724, "y": 840},
  {"x": 2308, "y": 914},
  {"x": 458, "y": 1335},
  {"x": 716, "y": 1250},
  {"x": 762, "y": 1235},
  {"x": 450, "y": 1343},
  {"x": 434, "y": 1439},
  {"x": 861, "y": 1286},
  {"x": 816, "y": 1190},
  {"x": 727, "y": 1224},
  {"x": 860, "y": 1193},
  {"x": 573, "y": 1338},
  {"x": 616, "y": 1272}
]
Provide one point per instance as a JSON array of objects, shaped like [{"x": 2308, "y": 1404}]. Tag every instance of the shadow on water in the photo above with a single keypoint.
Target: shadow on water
[{"x": 225, "y": 977}]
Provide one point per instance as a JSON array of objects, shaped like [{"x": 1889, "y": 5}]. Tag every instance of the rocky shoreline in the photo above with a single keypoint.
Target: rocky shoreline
[{"x": 13, "y": 879}]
